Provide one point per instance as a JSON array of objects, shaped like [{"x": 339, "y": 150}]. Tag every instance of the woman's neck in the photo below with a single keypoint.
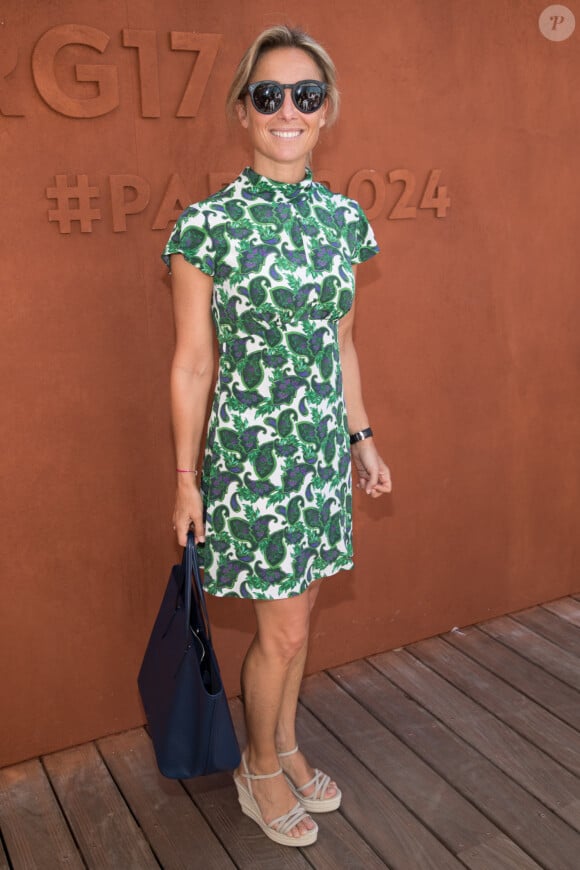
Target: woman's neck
[{"x": 288, "y": 173}]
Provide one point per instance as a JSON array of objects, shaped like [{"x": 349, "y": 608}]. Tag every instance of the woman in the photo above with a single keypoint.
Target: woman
[{"x": 271, "y": 258}]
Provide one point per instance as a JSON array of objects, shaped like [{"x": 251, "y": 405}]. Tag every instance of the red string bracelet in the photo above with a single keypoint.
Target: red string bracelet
[{"x": 187, "y": 470}]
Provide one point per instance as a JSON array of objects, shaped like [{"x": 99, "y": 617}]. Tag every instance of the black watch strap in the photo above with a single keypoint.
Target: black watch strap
[{"x": 360, "y": 436}]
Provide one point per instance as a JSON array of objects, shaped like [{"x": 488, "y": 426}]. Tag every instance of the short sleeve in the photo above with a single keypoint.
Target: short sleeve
[
  {"x": 192, "y": 239},
  {"x": 360, "y": 237}
]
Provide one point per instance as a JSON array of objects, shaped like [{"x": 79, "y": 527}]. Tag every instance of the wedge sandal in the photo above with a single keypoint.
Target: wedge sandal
[
  {"x": 316, "y": 802},
  {"x": 278, "y": 829}
]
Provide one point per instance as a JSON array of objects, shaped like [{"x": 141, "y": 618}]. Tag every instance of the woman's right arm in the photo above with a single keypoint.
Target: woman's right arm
[{"x": 191, "y": 379}]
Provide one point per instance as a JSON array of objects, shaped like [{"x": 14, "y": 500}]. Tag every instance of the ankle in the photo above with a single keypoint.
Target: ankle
[
  {"x": 285, "y": 741},
  {"x": 261, "y": 762}
]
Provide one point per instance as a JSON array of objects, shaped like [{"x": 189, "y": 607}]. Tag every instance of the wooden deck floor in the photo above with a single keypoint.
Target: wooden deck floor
[{"x": 458, "y": 751}]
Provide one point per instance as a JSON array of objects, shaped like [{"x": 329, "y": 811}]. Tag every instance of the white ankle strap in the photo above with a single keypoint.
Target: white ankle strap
[
  {"x": 263, "y": 775},
  {"x": 289, "y": 752}
]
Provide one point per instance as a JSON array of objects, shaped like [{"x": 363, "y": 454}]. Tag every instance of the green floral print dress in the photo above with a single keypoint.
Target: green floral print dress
[{"x": 276, "y": 476}]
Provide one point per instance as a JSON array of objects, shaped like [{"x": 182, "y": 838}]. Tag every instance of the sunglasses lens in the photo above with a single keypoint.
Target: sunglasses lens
[
  {"x": 308, "y": 97},
  {"x": 267, "y": 97}
]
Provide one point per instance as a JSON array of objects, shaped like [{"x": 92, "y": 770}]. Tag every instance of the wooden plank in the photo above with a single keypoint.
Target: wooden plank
[
  {"x": 559, "y": 631},
  {"x": 177, "y": 832},
  {"x": 34, "y": 829},
  {"x": 4, "y": 865},
  {"x": 496, "y": 853},
  {"x": 524, "y": 819},
  {"x": 544, "y": 653},
  {"x": 369, "y": 813},
  {"x": 556, "y": 787},
  {"x": 339, "y": 845},
  {"x": 396, "y": 835},
  {"x": 524, "y": 675},
  {"x": 102, "y": 824},
  {"x": 566, "y": 608},
  {"x": 454, "y": 820},
  {"x": 514, "y": 709}
]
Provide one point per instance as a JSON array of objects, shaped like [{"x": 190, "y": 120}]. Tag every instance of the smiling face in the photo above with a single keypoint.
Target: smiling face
[{"x": 283, "y": 141}]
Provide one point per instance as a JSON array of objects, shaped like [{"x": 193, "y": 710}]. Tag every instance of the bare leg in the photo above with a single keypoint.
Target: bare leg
[
  {"x": 296, "y": 765},
  {"x": 281, "y": 637},
  {"x": 286, "y": 724}
]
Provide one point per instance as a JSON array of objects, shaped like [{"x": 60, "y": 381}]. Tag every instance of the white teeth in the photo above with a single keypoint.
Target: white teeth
[{"x": 289, "y": 134}]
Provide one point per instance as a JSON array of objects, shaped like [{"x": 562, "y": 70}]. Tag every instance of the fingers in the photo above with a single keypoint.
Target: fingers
[
  {"x": 373, "y": 475},
  {"x": 385, "y": 482},
  {"x": 376, "y": 484},
  {"x": 371, "y": 480},
  {"x": 199, "y": 530},
  {"x": 368, "y": 484},
  {"x": 372, "y": 483},
  {"x": 183, "y": 524}
]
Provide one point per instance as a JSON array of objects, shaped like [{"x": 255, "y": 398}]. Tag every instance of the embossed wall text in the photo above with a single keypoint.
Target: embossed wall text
[
  {"x": 131, "y": 195},
  {"x": 46, "y": 59}
]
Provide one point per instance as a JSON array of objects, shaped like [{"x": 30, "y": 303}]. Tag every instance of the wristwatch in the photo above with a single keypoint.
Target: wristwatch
[{"x": 360, "y": 436}]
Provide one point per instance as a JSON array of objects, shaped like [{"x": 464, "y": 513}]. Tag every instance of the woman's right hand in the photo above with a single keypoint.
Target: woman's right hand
[{"x": 188, "y": 513}]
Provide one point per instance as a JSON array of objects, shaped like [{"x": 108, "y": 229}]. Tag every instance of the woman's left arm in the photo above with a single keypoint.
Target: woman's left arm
[{"x": 374, "y": 475}]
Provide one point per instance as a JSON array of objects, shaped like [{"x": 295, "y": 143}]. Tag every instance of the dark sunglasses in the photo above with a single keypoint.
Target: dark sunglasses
[{"x": 267, "y": 97}]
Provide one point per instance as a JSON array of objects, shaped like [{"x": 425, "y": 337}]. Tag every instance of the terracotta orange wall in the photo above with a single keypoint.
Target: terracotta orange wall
[{"x": 468, "y": 328}]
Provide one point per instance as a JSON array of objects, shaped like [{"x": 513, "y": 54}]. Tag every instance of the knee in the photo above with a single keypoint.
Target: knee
[{"x": 285, "y": 642}]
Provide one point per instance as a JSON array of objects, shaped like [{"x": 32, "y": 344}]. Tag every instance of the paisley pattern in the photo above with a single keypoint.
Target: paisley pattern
[{"x": 276, "y": 476}]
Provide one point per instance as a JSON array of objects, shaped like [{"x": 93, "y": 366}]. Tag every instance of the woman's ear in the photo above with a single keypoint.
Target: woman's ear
[{"x": 242, "y": 113}]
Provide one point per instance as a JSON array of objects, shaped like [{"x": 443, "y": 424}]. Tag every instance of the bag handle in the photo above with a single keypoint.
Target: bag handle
[{"x": 191, "y": 564}]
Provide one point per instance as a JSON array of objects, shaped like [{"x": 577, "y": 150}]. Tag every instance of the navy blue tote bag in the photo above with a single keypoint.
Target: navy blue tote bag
[{"x": 180, "y": 684}]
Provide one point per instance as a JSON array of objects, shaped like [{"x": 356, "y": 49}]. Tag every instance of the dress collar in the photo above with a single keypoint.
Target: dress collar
[{"x": 269, "y": 188}]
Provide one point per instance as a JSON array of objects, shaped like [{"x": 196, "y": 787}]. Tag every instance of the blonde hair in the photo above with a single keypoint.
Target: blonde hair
[{"x": 281, "y": 36}]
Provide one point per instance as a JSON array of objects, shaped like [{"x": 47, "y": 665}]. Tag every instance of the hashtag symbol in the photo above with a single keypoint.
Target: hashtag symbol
[{"x": 73, "y": 203}]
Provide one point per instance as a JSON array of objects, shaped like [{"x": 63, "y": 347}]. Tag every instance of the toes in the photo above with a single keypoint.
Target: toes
[{"x": 303, "y": 827}]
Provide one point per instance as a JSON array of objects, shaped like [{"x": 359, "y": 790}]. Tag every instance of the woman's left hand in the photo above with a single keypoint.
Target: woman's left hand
[{"x": 374, "y": 476}]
